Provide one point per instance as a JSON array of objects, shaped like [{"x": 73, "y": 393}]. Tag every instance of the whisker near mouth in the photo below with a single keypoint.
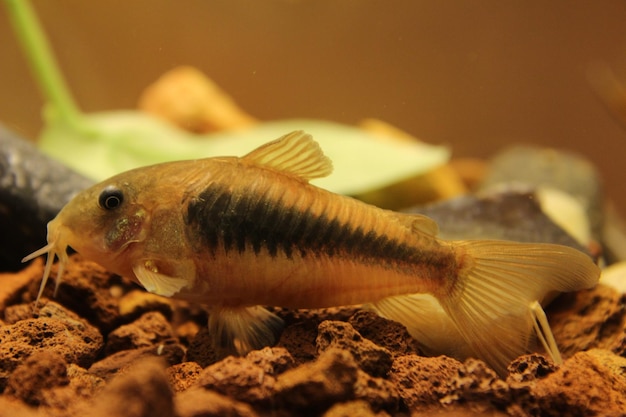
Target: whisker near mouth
[
  {"x": 46, "y": 249},
  {"x": 62, "y": 262},
  {"x": 52, "y": 250}
]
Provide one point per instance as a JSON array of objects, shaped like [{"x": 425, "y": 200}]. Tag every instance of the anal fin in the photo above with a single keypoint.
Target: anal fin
[
  {"x": 426, "y": 322},
  {"x": 238, "y": 330}
]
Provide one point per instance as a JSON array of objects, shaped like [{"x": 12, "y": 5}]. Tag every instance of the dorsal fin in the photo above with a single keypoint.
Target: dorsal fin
[{"x": 296, "y": 153}]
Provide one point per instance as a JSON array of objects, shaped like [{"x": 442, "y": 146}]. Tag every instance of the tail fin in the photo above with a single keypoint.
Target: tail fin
[
  {"x": 491, "y": 305},
  {"x": 494, "y": 308}
]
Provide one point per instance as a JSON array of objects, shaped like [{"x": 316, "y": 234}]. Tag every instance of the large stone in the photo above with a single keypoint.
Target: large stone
[{"x": 33, "y": 189}]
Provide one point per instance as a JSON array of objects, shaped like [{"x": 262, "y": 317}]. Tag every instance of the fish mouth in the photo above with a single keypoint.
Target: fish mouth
[{"x": 56, "y": 248}]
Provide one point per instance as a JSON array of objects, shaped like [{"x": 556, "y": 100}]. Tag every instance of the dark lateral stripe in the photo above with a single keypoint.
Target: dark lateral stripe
[
  {"x": 244, "y": 222},
  {"x": 204, "y": 210}
]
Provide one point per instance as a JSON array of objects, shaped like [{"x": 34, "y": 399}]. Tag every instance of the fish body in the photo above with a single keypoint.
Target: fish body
[
  {"x": 283, "y": 242},
  {"x": 239, "y": 233}
]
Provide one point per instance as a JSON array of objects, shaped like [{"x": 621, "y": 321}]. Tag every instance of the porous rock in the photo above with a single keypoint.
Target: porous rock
[
  {"x": 273, "y": 360},
  {"x": 141, "y": 391},
  {"x": 422, "y": 381},
  {"x": 318, "y": 385},
  {"x": 353, "y": 408},
  {"x": 300, "y": 330},
  {"x": 385, "y": 333},
  {"x": 83, "y": 384},
  {"x": 56, "y": 330},
  {"x": 594, "y": 318},
  {"x": 595, "y": 383},
  {"x": 40, "y": 372},
  {"x": 475, "y": 382},
  {"x": 170, "y": 353},
  {"x": 529, "y": 368},
  {"x": 370, "y": 357},
  {"x": 201, "y": 350},
  {"x": 45, "y": 380},
  {"x": 85, "y": 288},
  {"x": 238, "y": 378},
  {"x": 11, "y": 407},
  {"x": 198, "y": 402},
  {"x": 379, "y": 393},
  {"x": 183, "y": 375},
  {"x": 150, "y": 329},
  {"x": 17, "y": 312},
  {"x": 299, "y": 339}
]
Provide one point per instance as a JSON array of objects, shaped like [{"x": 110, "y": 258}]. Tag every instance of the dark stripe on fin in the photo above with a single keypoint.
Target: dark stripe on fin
[{"x": 255, "y": 222}]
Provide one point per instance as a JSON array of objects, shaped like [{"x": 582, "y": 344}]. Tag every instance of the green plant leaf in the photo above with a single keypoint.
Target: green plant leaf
[{"x": 123, "y": 140}]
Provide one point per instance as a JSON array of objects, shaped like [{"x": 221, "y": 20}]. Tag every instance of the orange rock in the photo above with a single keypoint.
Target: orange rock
[{"x": 189, "y": 99}]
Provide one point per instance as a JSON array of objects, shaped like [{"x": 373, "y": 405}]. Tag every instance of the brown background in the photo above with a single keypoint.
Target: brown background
[{"x": 474, "y": 75}]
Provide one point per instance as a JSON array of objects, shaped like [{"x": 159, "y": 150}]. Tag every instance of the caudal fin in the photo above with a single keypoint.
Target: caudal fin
[{"x": 492, "y": 301}]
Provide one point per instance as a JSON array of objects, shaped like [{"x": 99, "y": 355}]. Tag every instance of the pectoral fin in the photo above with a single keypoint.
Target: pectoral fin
[
  {"x": 242, "y": 329},
  {"x": 159, "y": 283}
]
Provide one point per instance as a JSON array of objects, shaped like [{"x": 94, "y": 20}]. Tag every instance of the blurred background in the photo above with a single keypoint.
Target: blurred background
[{"x": 472, "y": 75}]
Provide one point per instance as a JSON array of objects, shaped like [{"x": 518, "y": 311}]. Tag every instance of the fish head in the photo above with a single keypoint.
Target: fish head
[{"x": 101, "y": 223}]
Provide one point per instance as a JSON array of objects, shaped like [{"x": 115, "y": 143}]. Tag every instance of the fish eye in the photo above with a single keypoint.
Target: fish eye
[{"x": 111, "y": 198}]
